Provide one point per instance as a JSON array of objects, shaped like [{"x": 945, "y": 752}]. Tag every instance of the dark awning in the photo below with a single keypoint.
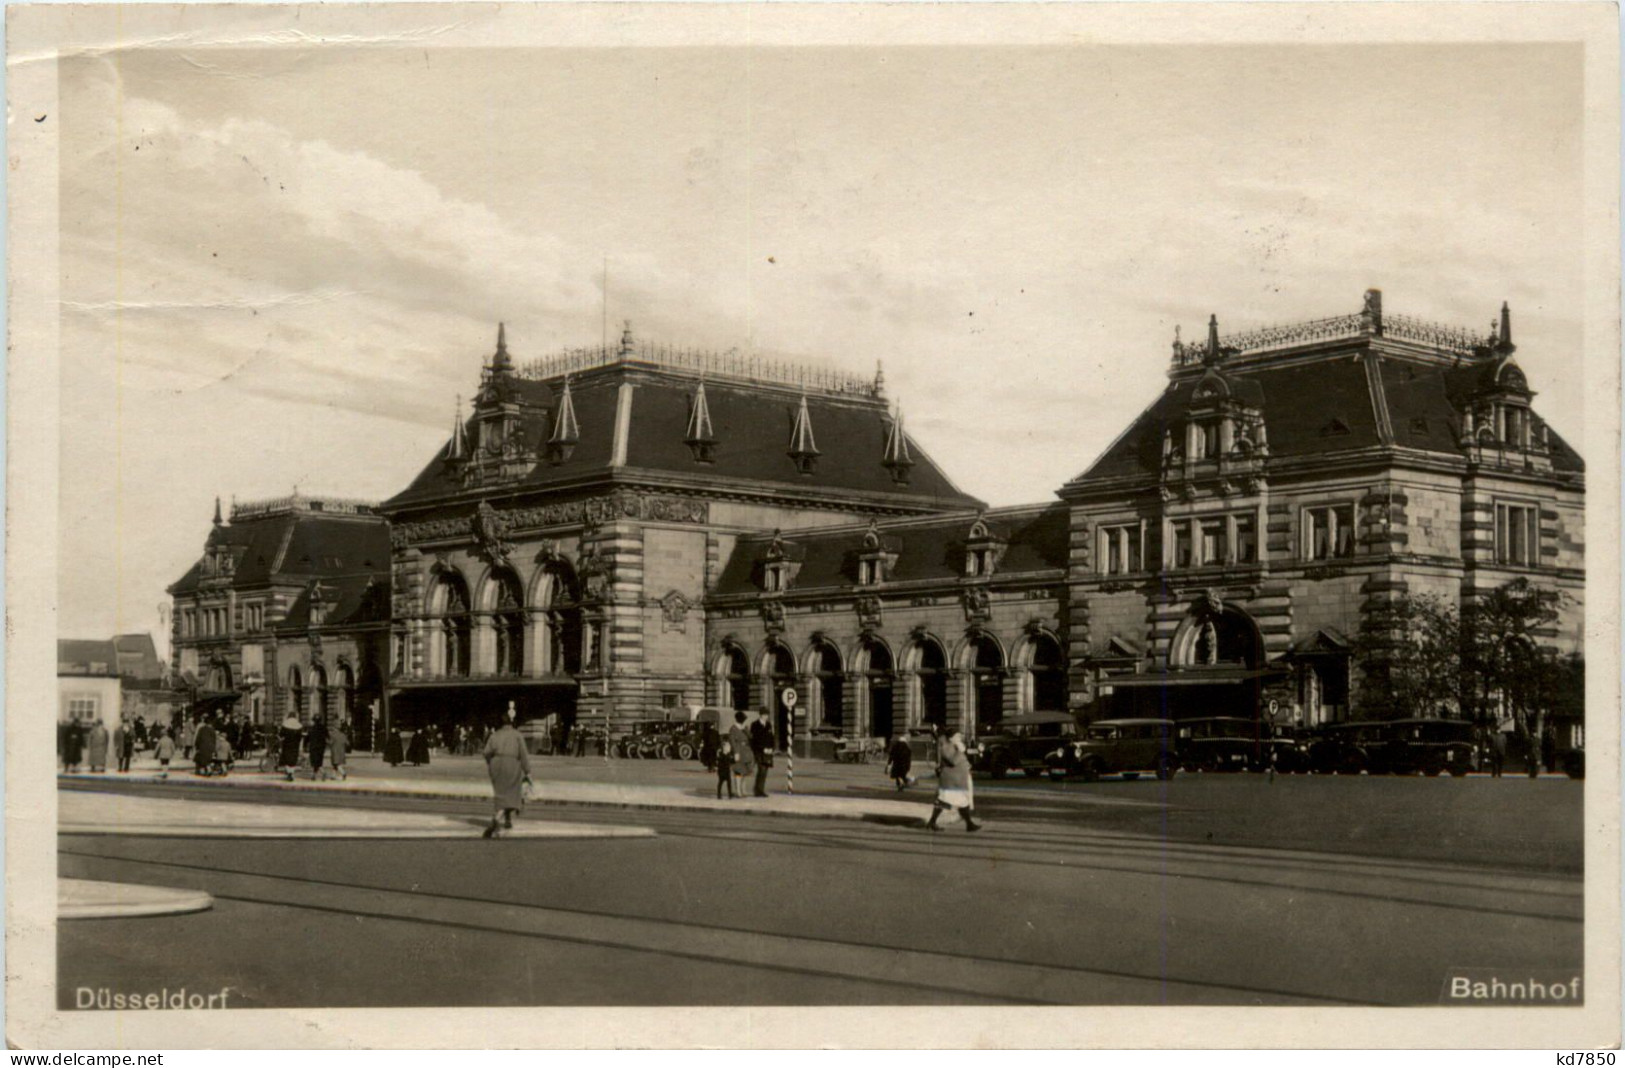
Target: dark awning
[
  {"x": 508, "y": 682},
  {"x": 1196, "y": 677}
]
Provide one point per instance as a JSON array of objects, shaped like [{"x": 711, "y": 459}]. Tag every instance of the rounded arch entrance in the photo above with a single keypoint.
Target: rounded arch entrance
[
  {"x": 778, "y": 674},
  {"x": 826, "y": 689},
  {"x": 557, "y": 596},
  {"x": 732, "y": 674},
  {"x": 875, "y": 665},
  {"x": 926, "y": 662},
  {"x": 318, "y": 692},
  {"x": 450, "y": 638},
  {"x": 1043, "y": 667},
  {"x": 504, "y": 599},
  {"x": 1223, "y": 636},
  {"x": 296, "y": 692},
  {"x": 983, "y": 659}
]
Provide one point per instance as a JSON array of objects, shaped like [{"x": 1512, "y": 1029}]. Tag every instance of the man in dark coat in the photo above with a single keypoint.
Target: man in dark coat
[
  {"x": 73, "y": 747},
  {"x": 761, "y": 748},
  {"x": 417, "y": 750},
  {"x": 203, "y": 749}
]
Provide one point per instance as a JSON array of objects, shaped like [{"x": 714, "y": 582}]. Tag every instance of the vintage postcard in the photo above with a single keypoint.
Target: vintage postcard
[{"x": 736, "y": 525}]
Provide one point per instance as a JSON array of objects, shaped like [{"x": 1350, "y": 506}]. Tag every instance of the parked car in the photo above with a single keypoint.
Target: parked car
[
  {"x": 1394, "y": 747},
  {"x": 1234, "y": 743},
  {"x": 1022, "y": 743},
  {"x": 1129, "y": 746},
  {"x": 653, "y": 739}
]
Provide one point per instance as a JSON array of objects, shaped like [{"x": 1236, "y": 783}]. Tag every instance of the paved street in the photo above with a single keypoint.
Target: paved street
[{"x": 1100, "y": 894}]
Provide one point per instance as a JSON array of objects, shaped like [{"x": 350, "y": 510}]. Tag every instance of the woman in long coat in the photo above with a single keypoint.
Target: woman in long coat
[
  {"x": 417, "y": 750},
  {"x": 316, "y": 743},
  {"x": 98, "y": 747},
  {"x": 288, "y": 753},
  {"x": 953, "y": 782},
  {"x": 338, "y": 747},
  {"x": 509, "y": 768}
]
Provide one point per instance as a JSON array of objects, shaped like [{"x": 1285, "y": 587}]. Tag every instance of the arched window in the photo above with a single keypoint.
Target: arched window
[
  {"x": 931, "y": 681},
  {"x": 508, "y": 624},
  {"x": 734, "y": 679},
  {"x": 318, "y": 692},
  {"x": 1048, "y": 673},
  {"x": 877, "y": 680},
  {"x": 296, "y": 692},
  {"x": 343, "y": 693},
  {"x": 781, "y": 672},
  {"x": 827, "y": 685},
  {"x": 450, "y": 604},
  {"x": 986, "y": 663},
  {"x": 560, "y": 595}
]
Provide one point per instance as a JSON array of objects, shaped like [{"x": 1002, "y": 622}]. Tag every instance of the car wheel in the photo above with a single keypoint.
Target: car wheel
[
  {"x": 1000, "y": 765},
  {"x": 685, "y": 751},
  {"x": 1167, "y": 768},
  {"x": 1090, "y": 771}
]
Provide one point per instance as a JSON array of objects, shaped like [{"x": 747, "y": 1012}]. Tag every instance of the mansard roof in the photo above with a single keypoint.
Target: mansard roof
[
  {"x": 751, "y": 422},
  {"x": 1325, "y": 404},
  {"x": 351, "y": 600},
  {"x": 292, "y": 540},
  {"x": 927, "y": 549}
]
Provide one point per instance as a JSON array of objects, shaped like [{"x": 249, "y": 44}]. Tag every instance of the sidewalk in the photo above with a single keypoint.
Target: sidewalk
[{"x": 463, "y": 779}]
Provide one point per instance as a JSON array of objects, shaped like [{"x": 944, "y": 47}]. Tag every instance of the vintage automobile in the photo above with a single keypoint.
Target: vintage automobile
[
  {"x": 654, "y": 739},
  {"x": 1021, "y": 743},
  {"x": 1128, "y": 746},
  {"x": 1394, "y": 747},
  {"x": 1573, "y": 762},
  {"x": 1235, "y": 743}
]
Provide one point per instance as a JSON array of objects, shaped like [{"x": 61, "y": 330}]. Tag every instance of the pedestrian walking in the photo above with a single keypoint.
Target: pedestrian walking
[
  {"x": 73, "y": 747},
  {"x": 417, "y": 750},
  {"x": 316, "y": 743},
  {"x": 953, "y": 782},
  {"x": 900, "y": 761},
  {"x": 725, "y": 770},
  {"x": 123, "y": 746},
  {"x": 1548, "y": 749},
  {"x": 1497, "y": 752},
  {"x": 290, "y": 736},
  {"x": 508, "y": 764},
  {"x": 739, "y": 742},
  {"x": 164, "y": 751},
  {"x": 761, "y": 749},
  {"x": 338, "y": 748},
  {"x": 203, "y": 743},
  {"x": 393, "y": 749},
  {"x": 709, "y": 746},
  {"x": 188, "y": 736},
  {"x": 97, "y": 744},
  {"x": 224, "y": 758}
]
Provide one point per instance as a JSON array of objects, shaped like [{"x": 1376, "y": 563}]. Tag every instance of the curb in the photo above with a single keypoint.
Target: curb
[{"x": 879, "y": 818}]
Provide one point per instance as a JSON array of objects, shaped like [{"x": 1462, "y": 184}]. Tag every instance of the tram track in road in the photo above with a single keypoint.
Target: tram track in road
[{"x": 958, "y": 975}]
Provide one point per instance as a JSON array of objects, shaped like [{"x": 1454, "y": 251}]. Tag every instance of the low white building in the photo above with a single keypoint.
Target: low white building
[{"x": 87, "y": 683}]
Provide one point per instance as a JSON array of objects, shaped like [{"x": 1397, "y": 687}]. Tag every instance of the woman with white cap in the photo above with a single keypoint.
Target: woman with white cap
[
  {"x": 509, "y": 767},
  {"x": 953, "y": 782}
]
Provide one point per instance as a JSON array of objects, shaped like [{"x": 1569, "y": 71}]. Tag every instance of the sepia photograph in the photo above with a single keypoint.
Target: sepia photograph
[{"x": 739, "y": 525}]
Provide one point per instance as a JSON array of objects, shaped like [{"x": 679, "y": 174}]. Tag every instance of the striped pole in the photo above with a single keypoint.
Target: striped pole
[{"x": 790, "y": 770}]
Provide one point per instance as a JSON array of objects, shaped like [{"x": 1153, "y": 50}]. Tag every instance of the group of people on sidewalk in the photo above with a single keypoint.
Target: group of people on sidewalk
[
  {"x": 328, "y": 746},
  {"x": 743, "y": 753}
]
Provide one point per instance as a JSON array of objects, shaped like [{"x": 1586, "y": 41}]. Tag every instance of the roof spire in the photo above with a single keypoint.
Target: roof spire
[
  {"x": 1506, "y": 328},
  {"x": 880, "y": 378},
  {"x": 1212, "y": 339},
  {"x": 626, "y": 337},
  {"x": 699, "y": 437},
  {"x": 502, "y": 361},
  {"x": 457, "y": 447},
  {"x": 217, "y": 520},
  {"x": 803, "y": 449},
  {"x": 896, "y": 458},
  {"x": 566, "y": 432}
]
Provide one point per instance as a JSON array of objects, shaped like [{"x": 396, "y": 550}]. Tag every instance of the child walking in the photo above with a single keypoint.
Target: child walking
[
  {"x": 725, "y": 770},
  {"x": 165, "y": 752}
]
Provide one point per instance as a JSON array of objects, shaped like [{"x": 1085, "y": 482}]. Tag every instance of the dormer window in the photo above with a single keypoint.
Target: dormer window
[
  {"x": 983, "y": 548},
  {"x": 876, "y": 558},
  {"x": 774, "y": 579},
  {"x": 780, "y": 564},
  {"x": 870, "y": 572}
]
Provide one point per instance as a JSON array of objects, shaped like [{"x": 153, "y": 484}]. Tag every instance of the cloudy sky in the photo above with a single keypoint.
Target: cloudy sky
[{"x": 279, "y": 267}]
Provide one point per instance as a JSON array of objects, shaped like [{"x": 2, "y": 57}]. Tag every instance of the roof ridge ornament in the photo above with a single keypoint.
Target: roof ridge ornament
[
  {"x": 896, "y": 458},
  {"x": 566, "y": 431},
  {"x": 501, "y": 362},
  {"x": 700, "y": 438},
  {"x": 457, "y": 447},
  {"x": 803, "y": 447}
]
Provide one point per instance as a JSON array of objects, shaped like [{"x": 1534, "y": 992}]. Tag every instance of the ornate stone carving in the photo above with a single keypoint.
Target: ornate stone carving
[
  {"x": 595, "y": 574},
  {"x": 674, "y": 612},
  {"x": 490, "y": 533},
  {"x": 773, "y": 617},
  {"x": 869, "y": 612},
  {"x": 592, "y": 511},
  {"x": 977, "y": 606}
]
